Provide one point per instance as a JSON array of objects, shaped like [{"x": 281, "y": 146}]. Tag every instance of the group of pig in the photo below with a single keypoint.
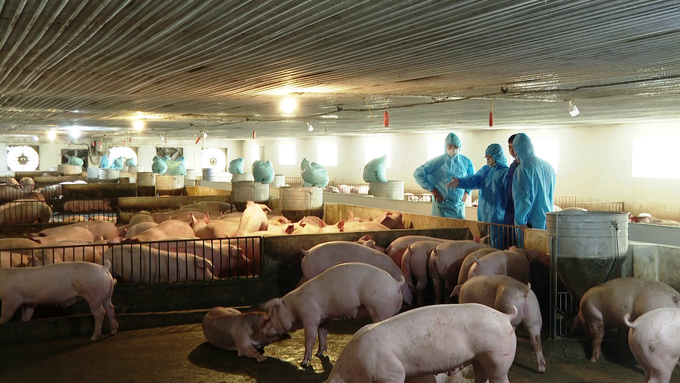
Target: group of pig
[{"x": 349, "y": 280}]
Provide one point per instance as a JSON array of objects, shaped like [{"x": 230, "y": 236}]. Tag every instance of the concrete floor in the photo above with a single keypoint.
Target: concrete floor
[{"x": 181, "y": 354}]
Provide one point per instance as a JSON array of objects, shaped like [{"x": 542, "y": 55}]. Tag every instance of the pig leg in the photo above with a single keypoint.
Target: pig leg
[
  {"x": 323, "y": 332},
  {"x": 245, "y": 348},
  {"x": 479, "y": 372},
  {"x": 311, "y": 329},
  {"x": 661, "y": 369},
  {"x": 8, "y": 310},
  {"x": 98, "y": 311},
  {"x": 27, "y": 312},
  {"x": 535, "y": 337},
  {"x": 420, "y": 290},
  {"x": 110, "y": 315},
  {"x": 448, "y": 289},
  {"x": 597, "y": 331}
]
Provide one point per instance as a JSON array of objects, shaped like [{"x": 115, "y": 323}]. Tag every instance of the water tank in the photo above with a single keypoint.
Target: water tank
[
  {"x": 279, "y": 180},
  {"x": 109, "y": 176},
  {"x": 70, "y": 170},
  {"x": 146, "y": 179},
  {"x": 93, "y": 175},
  {"x": 243, "y": 177},
  {"x": 590, "y": 247},
  {"x": 298, "y": 202},
  {"x": 166, "y": 182},
  {"x": 389, "y": 189},
  {"x": 244, "y": 191}
]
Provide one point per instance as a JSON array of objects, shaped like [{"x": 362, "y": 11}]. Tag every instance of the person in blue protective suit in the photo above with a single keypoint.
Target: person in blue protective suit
[
  {"x": 490, "y": 180},
  {"x": 533, "y": 185},
  {"x": 436, "y": 173},
  {"x": 509, "y": 203}
]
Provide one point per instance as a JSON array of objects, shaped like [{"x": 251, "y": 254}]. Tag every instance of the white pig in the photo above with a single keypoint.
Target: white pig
[
  {"x": 58, "y": 284},
  {"x": 414, "y": 263},
  {"x": 654, "y": 339},
  {"x": 430, "y": 340},
  {"x": 396, "y": 249},
  {"x": 502, "y": 293},
  {"x": 25, "y": 213},
  {"x": 138, "y": 263},
  {"x": 74, "y": 233},
  {"x": 139, "y": 228},
  {"x": 343, "y": 291},
  {"x": 445, "y": 261},
  {"x": 254, "y": 219},
  {"x": 326, "y": 255}
]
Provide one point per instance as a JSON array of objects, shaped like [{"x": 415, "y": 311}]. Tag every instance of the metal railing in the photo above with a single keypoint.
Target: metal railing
[
  {"x": 344, "y": 188},
  {"x": 502, "y": 237},
  {"x": 602, "y": 206},
  {"x": 158, "y": 262},
  {"x": 294, "y": 181},
  {"x": 56, "y": 210}
]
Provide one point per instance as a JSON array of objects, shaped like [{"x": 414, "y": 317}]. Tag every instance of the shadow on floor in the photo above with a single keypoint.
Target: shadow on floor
[{"x": 272, "y": 371}]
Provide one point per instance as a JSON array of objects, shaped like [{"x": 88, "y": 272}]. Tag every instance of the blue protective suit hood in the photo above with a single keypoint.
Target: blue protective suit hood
[
  {"x": 452, "y": 139},
  {"x": 495, "y": 151},
  {"x": 523, "y": 147}
]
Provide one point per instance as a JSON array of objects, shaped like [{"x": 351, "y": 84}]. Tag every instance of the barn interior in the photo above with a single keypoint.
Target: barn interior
[{"x": 96, "y": 97}]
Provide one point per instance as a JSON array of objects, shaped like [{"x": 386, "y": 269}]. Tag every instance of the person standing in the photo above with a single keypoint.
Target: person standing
[
  {"x": 490, "y": 180},
  {"x": 436, "y": 173},
  {"x": 533, "y": 185},
  {"x": 509, "y": 204}
]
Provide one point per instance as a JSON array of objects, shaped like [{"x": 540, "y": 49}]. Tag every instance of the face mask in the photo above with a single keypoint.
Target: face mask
[
  {"x": 491, "y": 162},
  {"x": 453, "y": 152}
]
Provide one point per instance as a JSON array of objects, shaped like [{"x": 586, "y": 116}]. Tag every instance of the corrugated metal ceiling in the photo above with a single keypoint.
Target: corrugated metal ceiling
[{"x": 434, "y": 64}]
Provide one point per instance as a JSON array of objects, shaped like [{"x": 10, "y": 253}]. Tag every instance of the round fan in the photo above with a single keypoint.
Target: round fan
[
  {"x": 173, "y": 153},
  {"x": 122, "y": 151},
  {"x": 22, "y": 158},
  {"x": 214, "y": 158}
]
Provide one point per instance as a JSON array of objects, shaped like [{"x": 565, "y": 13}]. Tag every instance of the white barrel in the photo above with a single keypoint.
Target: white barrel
[
  {"x": 389, "y": 189},
  {"x": 279, "y": 180},
  {"x": 191, "y": 175},
  {"x": 298, "y": 202},
  {"x": 93, "y": 174},
  {"x": 109, "y": 175},
  {"x": 208, "y": 174},
  {"x": 146, "y": 178},
  {"x": 166, "y": 182},
  {"x": 243, "y": 177},
  {"x": 69, "y": 170},
  {"x": 589, "y": 246},
  {"x": 244, "y": 191}
]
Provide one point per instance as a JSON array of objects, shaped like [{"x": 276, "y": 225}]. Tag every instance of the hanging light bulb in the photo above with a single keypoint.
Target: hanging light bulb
[
  {"x": 35, "y": 138},
  {"x": 52, "y": 135},
  {"x": 138, "y": 125},
  {"x": 288, "y": 105},
  {"x": 74, "y": 132},
  {"x": 310, "y": 127},
  {"x": 573, "y": 110}
]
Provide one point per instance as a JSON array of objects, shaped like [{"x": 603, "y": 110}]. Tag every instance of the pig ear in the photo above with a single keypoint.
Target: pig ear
[
  {"x": 193, "y": 219},
  {"x": 206, "y": 219},
  {"x": 408, "y": 248},
  {"x": 456, "y": 291},
  {"x": 476, "y": 260}
]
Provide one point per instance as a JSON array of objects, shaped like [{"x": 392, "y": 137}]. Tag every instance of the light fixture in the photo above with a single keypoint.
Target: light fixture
[
  {"x": 310, "y": 127},
  {"x": 288, "y": 105},
  {"x": 138, "y": 125},
  {"x": 573, "y": 110},
  {"x": 52, "y": 135},
  {"x": 35, "y": 138},
  {"x": 74, "y": 132},
  {"x": 205, "y": 135}
]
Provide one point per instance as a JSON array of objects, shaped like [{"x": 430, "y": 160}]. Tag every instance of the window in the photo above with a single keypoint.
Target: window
[
  {"x": 327, "y": 154},
  {"x": 377, "y": 149},
  {"x": 22, "y": 158},
  {"x": 287, "y": 154},
  {"x": 122, "y": 151},
  {"x": 434, "y": 149},
  {"x": 255, "y": 153},
  {"x": 548, "y": 150},
  {"x": 654, "y": 157},
  {"x": 213, "y": 158}
]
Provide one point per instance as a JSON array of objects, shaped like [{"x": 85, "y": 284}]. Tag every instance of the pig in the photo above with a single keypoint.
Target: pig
[
  {"x": 326, "y": 255},
  {"x": 298, "y": 228},
  {"x": 367, "y": 240},
  {"x": 343, "y": 291},
  {"x": 18, "y": 243},
  {"x": 14, "y": 259},
  {"x": 9, "y": 193},
  {"x": 58, "y": 284},
  {"x": 444, "y": 263},
  {"x": 603, "y": 307},
  {"x": 12, "y": 182},
  {"x": 277, "y": 220},
  {"x": 142, "y": 264},
  {"x": 74, "y": 233},
  {"x": 78, "y": 250},
  {"x": 363, "y": 226},
  {"x": 414, "y": 263},
  {"x": 445, "y": 338},
  {"x": 470, "y": 260},
  {"x": 227, "y": 260},
  {"x": 139, "y": 228},
  {"x": 511, "y": 263},
  {"x": 25, "y": 213},
  {"x": 502, "y": 293},
  {"x": 395, "y": 250},
  {"x": 313, "y": 220},
  {"x": 107, "y": 230},
  {"x": 654, "y": 339},
  {"x": 337, "y": 228},
  {"x": 229, "y": 329},
  {"x": 215, "y": 208},
  {"x": 28, "y": 184},
  {"x": 165, "y": 229},
  {"x": 207, "y": 229},
  {"x": 140, "y": 218},
  {"x": 183, "y": 215},
  {"x": 391, "y": 220},
  {"x": 254, "y": 219}
]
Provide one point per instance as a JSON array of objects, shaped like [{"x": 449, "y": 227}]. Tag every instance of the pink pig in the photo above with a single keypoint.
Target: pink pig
[
  {"x": 654, "y": 339},
  {"x": 511, "y": 263}
]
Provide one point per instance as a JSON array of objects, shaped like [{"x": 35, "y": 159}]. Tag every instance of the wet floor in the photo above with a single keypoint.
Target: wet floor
[{"x": 181, "y": 354}]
